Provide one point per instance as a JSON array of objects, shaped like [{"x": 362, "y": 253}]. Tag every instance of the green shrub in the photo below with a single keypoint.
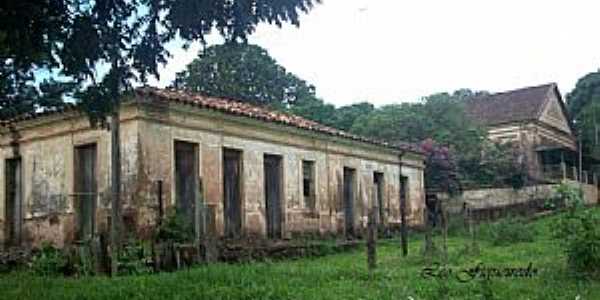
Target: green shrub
[
  {"x": 579, "y": 233},
  {"x": 509, "y": 231},
  {"x": 175, "y": 228},
  {"x": 570, "y": 195},
  {"x": 133, "y": 260},
  {"x": 84, "y": 262},
  {"x": 50, "y": 261}
]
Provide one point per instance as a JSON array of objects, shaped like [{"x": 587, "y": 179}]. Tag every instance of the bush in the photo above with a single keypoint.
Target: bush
[
  {"x": 579, "y": 233},
  {"x": 570, "y": 195},
  {"x": 50, "y": 261},
  {"x": 133, "y": 260},
  {"x": 509, "y": 231},
  {"x": 175, "y": 228}
]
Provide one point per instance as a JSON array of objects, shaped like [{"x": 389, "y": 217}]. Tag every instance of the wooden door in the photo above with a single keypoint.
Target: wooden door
[
  {"x": 378, "y": 179},
  {"x": 273, "y": 195},
  {"x": 186, "y": 181},
  {"x": 85, "y": 190},
  {"x": 232, "y": 192},
  {"x": 349, "y": 201}
]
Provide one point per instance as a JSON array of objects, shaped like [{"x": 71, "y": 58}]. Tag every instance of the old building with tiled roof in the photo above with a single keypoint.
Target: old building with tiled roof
[
  {"x": 536, "y": 120},
  {"x": 248, "y": 170}
]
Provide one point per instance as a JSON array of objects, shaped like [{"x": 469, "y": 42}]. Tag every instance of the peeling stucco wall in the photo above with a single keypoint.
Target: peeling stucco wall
[
  {"x": 212, "y": 132},
  {"x": 148, "y": 133},
  {"x": 47, "y": 151}
]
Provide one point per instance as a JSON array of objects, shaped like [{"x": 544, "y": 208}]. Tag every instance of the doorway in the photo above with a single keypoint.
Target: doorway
[
  {"x": 232, "y": 192},
  {"x": 273, "y": 194},
  {"x": 85, "y": 190},
  {"x": 186, "y": 180},
  {"x": 13, "y": 215},
  {"x": 378, "y": 181},
  {"x": 348, "y": 196}
]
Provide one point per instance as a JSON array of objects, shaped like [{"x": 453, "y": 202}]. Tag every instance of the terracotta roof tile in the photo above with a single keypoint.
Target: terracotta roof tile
[
  {"x": 67, "y": 107},
  {"x": 251, "y": 111}
]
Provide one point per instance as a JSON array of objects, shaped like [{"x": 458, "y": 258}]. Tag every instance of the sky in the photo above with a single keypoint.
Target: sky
[{"x": 386, "y": 51}]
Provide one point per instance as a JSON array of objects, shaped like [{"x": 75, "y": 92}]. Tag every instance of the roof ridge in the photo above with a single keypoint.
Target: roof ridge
[
  {"x": 546, "y": 85},
  {"x": 240, "y": 108}
]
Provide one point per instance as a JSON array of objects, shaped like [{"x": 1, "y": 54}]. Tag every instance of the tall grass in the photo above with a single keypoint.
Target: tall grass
[{"x": 339, "y": 276}]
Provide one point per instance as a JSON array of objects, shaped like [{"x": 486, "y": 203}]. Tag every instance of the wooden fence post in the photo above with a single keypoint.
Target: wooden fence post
[
  {"x": 444, "y": 223},
  {"x": 428, "y": 249},
  {"x": 403, "y": 225},
  {"x": 474, "y": 249},
  {"x": 371, "y": 240}
]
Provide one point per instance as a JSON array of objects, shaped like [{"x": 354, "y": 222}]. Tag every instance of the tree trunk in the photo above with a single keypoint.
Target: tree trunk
[{"x": 115, "y": 190}]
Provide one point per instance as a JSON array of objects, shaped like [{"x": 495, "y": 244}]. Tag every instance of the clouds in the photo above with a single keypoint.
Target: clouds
[{"x": 390, "y": 51}]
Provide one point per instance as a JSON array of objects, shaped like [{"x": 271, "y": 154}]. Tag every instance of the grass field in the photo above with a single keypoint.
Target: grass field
[{"x": 339, "y": 276}]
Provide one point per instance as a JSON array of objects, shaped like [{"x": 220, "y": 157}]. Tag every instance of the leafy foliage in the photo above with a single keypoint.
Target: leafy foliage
[
  {"x": 338, "y": 276},
  {"x": 29, "y": 31},
  {"x": 316, "y": 110},
  {"x": 584, "y": 107},
  {"x": 508, "y": 231},
  {"x": 441, "y": 118},
  {"x": 105, "y": 46},
  {"x": 175, "y": 228},
  {"x": 133, "y": 260},
  {"x": 345, "y": 116},
  {"x": 587, "y": 90},
  {"x": 579, "y": 233},
  {"x": 440, "y": 168},
  {"x": 50, "y": 261},
  {"x": 244, "y": 72}
]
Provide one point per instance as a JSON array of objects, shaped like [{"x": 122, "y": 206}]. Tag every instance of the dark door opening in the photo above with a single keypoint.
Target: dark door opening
[
  {"x": 378, "y": 180},
  {"x": 85, "y": 190},
  {"x": 349, "y": 201},
  {"x": 232, "y": 192},
  {"x": 13, "y": 216},
  {"x": 403, "y": 199},
  {"x": 186, "y": 180},
  {"x": 273, "y": 194}
]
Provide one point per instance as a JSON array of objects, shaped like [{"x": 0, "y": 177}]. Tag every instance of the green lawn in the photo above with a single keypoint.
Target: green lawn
[{"x": 340, "y": 276}]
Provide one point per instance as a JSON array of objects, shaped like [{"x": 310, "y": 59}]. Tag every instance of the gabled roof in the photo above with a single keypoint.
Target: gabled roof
[
  {"x": 244, "y": 109},
  {"x": 525, "y": 104}
]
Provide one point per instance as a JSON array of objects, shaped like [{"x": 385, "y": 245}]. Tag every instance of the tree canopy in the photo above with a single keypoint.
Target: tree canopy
[
  {"x": 456, "y": 147},
  {"x": 584, "y": 107},
  {"x": 244, "y": 72},
  {"x": 104, "y": 46}
]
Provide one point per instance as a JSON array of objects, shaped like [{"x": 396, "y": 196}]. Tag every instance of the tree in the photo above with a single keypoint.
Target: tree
[
  {"x": 126, "y": 39},
  {"x": 440, "y": 120},
  {"x": 440, "y": 117},
  {"x": 244, "y": 72},
  {"x": 586, "y": 91},
  {"x": 584, "y": 107},
  {"x": 315, "y": 109},
  {"x": 30, "y": 32},
  {"x": 441, "y": 170},
  {"x": 345, "y": 116}
]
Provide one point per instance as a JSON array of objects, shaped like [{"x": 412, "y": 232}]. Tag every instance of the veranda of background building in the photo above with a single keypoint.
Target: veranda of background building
[
  {"x": 536, "y": 120},
  {"x": 285, "y": 175}
]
